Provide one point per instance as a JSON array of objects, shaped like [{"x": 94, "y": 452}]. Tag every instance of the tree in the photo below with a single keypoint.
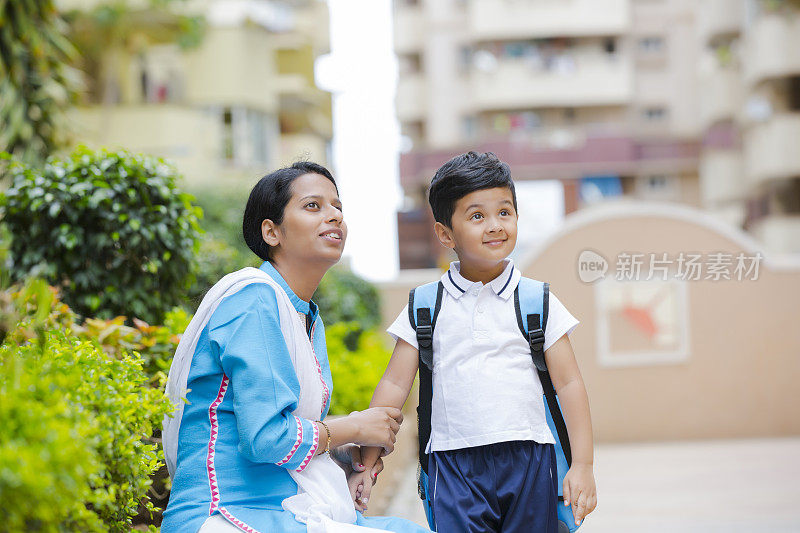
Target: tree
[{"x": 37, "y": 82}]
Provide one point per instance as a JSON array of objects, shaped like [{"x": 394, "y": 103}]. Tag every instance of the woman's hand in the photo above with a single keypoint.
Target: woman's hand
[{"x": 377, "y": 426}]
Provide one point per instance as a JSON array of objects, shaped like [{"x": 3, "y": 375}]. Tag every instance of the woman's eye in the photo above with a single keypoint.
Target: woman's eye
[
  {"x": 505, "y": 212},
  {"x": 312, "y": 205},
  {"x": 476, "y": 216}
]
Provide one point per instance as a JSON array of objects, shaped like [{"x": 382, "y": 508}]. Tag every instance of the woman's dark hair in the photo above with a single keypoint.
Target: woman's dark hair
[
  {"x": 268, "y": 200},
  {"x": 464, "y": 174}
]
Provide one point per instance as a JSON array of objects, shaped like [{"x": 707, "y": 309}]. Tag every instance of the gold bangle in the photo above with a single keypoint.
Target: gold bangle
[{"x": 328, "y": 431}]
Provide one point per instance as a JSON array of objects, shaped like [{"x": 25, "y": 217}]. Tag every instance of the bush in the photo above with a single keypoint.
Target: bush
[
  {"x": 355, "y": 371},
  {"x": 74, "y": 450},
  {"x": 37, "y": 308},
  {"x": 110, "y": 229},
  {"x": 344, "y": 297}
]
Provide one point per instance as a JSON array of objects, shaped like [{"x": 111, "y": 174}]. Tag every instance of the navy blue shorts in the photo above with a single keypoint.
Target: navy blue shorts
[{"x": 507, "y": 486}]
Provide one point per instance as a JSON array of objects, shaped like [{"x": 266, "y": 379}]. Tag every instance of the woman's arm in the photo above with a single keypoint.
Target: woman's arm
[{"x": 260, "y": 372}]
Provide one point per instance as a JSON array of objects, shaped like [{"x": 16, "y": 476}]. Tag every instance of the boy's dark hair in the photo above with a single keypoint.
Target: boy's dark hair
[
  {"x": 268, "y": 200},
  {"x": 464, "y": 174}
]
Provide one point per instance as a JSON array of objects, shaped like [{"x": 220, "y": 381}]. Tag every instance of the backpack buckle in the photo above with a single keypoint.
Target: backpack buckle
[
  {"x": 425, "y": 336},
  {"x": 536, "y": 339}
]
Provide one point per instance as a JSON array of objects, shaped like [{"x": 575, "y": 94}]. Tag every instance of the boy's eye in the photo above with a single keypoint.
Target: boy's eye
[
  {"x": 505, "y": 212},
  {"x": 476, "y": 216}
]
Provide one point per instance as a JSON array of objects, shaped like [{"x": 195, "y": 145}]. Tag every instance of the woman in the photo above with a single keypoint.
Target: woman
[{"x": 246, "y": 451}]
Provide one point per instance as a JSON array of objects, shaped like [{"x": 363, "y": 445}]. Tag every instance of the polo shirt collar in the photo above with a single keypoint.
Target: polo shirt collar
[
  {"x": 503, "y": 285},
  {"x": 302, "y": 306}
]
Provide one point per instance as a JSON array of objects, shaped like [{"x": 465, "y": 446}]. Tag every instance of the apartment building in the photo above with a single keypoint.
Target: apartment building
[
  {"x": 649, "y": 99},
  {"x": 750, "y": 170},
  {"x": 241, "y": 102}
]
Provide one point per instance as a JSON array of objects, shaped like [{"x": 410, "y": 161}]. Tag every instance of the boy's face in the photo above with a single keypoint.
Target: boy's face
[{"x": 484, "y": 228}]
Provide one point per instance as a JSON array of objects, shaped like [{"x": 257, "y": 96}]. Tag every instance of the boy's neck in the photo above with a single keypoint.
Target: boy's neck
[{"x": 482, "y": 274}]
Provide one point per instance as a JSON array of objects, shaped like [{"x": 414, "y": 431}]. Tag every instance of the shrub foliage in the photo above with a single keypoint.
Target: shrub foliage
[
  {"x": 110, "y": 229},
  {"x": 75, "y": 447}
]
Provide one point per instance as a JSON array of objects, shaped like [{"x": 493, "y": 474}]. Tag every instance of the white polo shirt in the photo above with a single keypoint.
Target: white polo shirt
[{"x": 485, "y": 387}]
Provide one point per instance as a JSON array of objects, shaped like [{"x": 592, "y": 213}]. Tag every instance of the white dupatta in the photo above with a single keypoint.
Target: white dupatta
[{"x": 323, "y": 500}]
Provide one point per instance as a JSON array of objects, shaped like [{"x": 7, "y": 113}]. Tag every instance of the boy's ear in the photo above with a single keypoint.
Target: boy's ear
[
  {"x": 445, "y": 235},
  {"x": 269, "y": 232}
]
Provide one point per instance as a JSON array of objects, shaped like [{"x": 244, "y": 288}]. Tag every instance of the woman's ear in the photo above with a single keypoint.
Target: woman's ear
[
  {"x": 269, "y": 232},
  {"x": 445, "y": 235}
]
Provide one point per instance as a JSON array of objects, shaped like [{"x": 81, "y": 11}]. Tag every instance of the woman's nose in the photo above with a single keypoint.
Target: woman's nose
[{"x": 335, "y": 215}]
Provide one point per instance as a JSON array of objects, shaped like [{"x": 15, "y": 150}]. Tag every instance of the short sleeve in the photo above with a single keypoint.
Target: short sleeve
[
  {"x": 401, "y": 329},
  {"x": 265, "y": 387},
  {"x": 559, "y": 322}
]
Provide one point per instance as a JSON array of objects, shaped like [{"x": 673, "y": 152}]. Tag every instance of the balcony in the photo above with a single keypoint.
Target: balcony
[
  {"x": 513, "y": 84},
  {"x": 721, "y": 177},
  {"x": 772, "y": 48},
  {"x": 771, "y": 149},
  {"x": 503, "y": 19},
  {"x": 303, "y": 146},
  {"x": 185, "y": 135},
  {"x": 719, "y": 18},
  {"x": 408, "y": 29},
  {"x": 411, "y": 98},
  {"x": 720, "y": 96}
]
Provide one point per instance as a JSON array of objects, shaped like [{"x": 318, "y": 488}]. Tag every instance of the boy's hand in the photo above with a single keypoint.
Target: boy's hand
[
  {"x": 360, "y": 483},
  {"x": 580, "y": 490}
]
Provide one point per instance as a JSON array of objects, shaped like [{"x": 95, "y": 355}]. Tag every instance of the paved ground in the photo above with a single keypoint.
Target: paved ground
[{"x": 750, "y": 486}]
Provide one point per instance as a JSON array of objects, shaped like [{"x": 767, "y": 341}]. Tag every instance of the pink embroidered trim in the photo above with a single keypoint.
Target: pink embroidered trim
[
  {"x": 236, "y": 522},
  {"x": 325, "y": 391},
  {"x": 212, "y": 442},
  {"x": 297, "y": 442},
  {"x": 312, "y": 451}
]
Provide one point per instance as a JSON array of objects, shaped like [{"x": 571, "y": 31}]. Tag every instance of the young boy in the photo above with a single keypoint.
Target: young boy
[{"x": 492, "y": 461}]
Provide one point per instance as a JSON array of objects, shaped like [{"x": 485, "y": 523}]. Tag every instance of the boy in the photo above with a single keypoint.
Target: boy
[{"x": 492, "y": 458}]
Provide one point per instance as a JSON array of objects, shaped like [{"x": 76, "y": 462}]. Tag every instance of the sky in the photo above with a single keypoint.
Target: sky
[{"x": 361, "y": 72}]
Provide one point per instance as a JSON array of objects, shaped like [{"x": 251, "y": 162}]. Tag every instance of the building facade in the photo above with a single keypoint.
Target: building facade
[
  {"x": 242, "y": 102},
  {"x": 610, "y": 97}
]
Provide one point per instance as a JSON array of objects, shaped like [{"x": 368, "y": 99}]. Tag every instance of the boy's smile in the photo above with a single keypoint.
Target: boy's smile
[{"x": 483, "y": 232}]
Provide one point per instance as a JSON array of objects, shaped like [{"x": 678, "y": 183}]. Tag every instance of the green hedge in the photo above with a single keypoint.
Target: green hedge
[
  {"x": 357, "y": 359},
  {"x": 75, "y": 446},
  {"x": 110, "y": 229},
  {"x": 343, "y": 296}
]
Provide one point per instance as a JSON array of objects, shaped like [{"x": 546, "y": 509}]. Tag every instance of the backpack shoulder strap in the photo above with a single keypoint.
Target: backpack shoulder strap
[
  {"x": 424, "y": 303},
  {"x": 531, "y": 302}
]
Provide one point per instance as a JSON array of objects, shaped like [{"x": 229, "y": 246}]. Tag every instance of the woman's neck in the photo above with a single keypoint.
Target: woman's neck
[{"x": 302, "y": 277}]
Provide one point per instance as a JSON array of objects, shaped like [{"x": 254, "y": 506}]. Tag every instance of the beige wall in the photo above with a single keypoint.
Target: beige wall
[{"x": 739, "y": 378}]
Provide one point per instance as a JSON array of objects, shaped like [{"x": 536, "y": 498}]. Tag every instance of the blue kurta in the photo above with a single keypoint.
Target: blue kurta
[{"x": 238, "y": 437}]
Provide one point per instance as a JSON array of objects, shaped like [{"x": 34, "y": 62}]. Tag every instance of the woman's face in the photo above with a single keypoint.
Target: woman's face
[{"x": 313, "y": 229}]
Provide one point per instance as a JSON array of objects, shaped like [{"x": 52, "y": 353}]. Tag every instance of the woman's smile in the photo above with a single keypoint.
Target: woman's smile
[{"x": 333, "y": 236}]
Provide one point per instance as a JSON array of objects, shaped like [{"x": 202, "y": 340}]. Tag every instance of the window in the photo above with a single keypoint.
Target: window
[
  {"x": 651, "y": 44},
  {"x": 654, "y": 114},
  {"x": 409, "y": 64},
  {"x": 794, "y": 93},
  {"x": 248, "y": 136},
  {"x": 227, "y": 134}
]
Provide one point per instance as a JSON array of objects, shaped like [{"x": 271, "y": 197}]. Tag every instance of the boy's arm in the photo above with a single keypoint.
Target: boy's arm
[
  {"x": 579, "y": 485},
  {"x": 392, "y": 390}
]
